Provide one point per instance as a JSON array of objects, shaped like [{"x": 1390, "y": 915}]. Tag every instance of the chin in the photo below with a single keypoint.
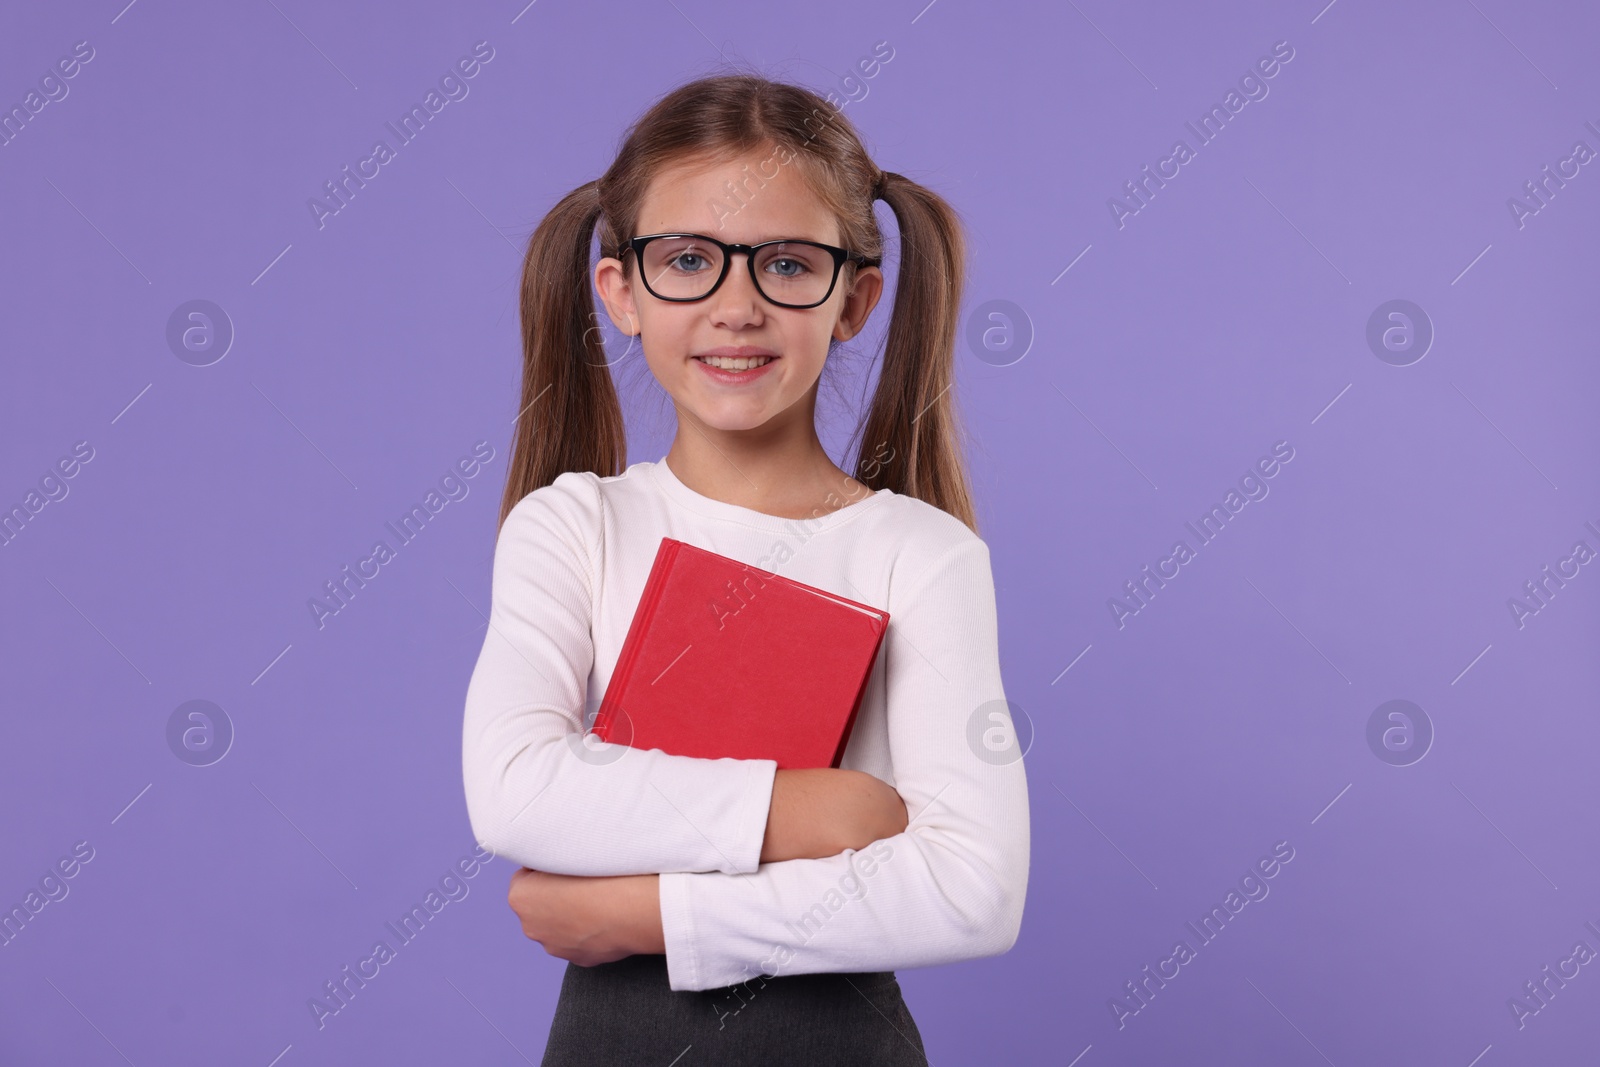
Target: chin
[{"x": 719, "y": 418}]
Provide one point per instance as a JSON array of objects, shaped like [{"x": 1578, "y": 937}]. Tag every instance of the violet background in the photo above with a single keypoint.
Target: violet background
[{"x": 1230, "y": 313}]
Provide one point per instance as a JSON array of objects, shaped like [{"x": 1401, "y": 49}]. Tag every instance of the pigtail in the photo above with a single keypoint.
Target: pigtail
[
  {"x": 569, "y": 416},
  {"x": 910, "y": 438}
]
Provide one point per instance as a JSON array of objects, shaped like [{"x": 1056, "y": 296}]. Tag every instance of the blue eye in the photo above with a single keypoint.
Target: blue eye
[{"x": 799, "y": 268}]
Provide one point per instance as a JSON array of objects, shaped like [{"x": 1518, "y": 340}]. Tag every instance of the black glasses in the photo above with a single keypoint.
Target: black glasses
[{"x": 684, "y": 267}]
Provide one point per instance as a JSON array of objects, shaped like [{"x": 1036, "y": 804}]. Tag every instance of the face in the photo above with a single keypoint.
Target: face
[{"x": 736, "y": 320}]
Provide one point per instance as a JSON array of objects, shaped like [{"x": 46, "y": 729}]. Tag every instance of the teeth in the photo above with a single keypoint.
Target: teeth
[{"x": 729, "y": 363}]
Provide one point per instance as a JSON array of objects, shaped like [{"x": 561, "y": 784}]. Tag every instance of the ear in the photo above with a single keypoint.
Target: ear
[
  {"x": 858, "y": 303},
  {"x": 616, "y": 293}
]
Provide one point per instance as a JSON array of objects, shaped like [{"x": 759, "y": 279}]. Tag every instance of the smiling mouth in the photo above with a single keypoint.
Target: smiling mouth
[{"x": 730, "y": 363}]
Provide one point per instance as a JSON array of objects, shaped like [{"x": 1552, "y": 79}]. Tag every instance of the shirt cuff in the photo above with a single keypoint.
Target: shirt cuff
[
  {"x": 677, "y": 930},
  {"x": 752, "y": 819}
]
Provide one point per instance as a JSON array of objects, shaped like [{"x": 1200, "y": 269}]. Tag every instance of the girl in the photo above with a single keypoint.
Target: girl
[{"x": 723, "y": 911}]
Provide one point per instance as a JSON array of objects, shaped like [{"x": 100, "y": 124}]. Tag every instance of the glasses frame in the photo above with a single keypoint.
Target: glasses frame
[{"x": 840, "y": 256}]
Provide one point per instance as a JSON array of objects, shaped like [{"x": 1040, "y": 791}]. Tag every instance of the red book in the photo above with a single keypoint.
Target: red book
[{"x": 726, "y": 659}]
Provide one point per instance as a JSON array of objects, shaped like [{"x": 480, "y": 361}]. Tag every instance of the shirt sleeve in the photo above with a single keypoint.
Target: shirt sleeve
[
  {"x": 537, "y": 792},
  {"x": 951, "y": 886}
]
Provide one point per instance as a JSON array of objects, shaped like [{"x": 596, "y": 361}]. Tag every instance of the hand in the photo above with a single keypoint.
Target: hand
[{"x": 589, "y": 920}]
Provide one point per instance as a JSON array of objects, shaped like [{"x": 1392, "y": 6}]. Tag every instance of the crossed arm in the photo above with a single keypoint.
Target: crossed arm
[
  {"x": 812, "y": 814},
  {"x": 728, "y": 864}
]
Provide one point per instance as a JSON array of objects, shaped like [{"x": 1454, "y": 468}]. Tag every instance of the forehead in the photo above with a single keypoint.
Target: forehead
[{"x": 741, "y": 198}]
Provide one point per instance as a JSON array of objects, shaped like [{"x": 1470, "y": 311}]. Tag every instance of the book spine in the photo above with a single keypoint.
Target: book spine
[{"x": 617, "y": 690}]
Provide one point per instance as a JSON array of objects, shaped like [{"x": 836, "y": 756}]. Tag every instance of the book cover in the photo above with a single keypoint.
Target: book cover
[{"x": 726, "y": 659}]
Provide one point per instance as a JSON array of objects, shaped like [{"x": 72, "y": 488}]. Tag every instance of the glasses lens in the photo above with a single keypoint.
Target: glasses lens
[
  {"x": 794, "y": 273},
  {"x": 681, "y": 268}
]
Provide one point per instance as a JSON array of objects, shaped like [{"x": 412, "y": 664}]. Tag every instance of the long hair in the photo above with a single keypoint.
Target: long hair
[{"x": 571, "y": 419}]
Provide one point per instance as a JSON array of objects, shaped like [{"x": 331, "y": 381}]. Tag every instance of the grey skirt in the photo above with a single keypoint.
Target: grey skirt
[{"x": 624, "y": 1013}]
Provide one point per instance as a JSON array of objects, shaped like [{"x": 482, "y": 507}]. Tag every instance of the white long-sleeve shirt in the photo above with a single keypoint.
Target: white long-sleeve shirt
[{"x": 569, "y": 569}]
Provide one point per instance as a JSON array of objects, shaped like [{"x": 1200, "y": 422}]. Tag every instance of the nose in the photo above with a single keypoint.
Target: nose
[{"x": 737, "y": 302}]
